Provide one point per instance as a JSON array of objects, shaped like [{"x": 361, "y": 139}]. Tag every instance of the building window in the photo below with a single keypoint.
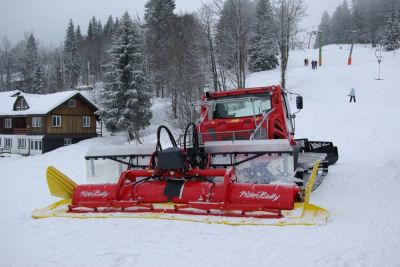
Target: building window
[
  {"x": 37, "y": 122},
  {"x": 36, "y": 145},
  {"x": 7, "y": 143},
  {"x": 21, "y": 143},
  {"x": 85, "y": 121},
  {"x": 8, "y": 123},
  {"x": 67, "y": 141},
  {"x": 21, "y": 105},
  {"x": 56, "y": 120},
  {"x": 72, "y": 103}
]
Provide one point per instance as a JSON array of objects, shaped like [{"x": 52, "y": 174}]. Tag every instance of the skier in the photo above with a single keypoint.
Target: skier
[
  {"x": 306, "y": 62},
  {"x": 313, "y": 64},
  {"x": 352, "y": 95}
]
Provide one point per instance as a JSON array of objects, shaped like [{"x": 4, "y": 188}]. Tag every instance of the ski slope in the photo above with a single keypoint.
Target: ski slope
[{"x": 360, "y": 192}]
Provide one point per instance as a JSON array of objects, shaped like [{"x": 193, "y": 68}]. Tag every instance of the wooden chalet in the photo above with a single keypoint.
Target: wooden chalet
[{"x": 33, "y": 124}]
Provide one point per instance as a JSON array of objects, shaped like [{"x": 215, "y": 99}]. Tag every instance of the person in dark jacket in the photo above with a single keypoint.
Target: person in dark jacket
[{"x": 313, "y": 65}]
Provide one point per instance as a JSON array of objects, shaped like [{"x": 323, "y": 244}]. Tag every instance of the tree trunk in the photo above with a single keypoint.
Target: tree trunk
[
  {"x": 174, "y": 105},
  {"x": 212, "y": 60}
]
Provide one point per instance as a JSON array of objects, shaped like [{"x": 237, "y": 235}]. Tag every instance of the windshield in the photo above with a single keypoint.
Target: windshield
[{"x": 241, "y": 107}]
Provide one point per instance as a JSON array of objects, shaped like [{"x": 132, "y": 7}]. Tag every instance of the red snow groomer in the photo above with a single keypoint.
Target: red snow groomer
[
  {"x": 232, "y": 122},
  {"x": 238, "y": 165}
]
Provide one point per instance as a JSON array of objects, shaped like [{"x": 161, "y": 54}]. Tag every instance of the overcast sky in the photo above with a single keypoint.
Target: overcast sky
[{"x": 48, "y": 19}]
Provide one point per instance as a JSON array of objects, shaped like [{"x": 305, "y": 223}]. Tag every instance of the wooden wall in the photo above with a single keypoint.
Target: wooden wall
[
  {"x": 5, "y": 130},
  {"x": 37, "y": 130},
  {"x": 71, "y": 119}
]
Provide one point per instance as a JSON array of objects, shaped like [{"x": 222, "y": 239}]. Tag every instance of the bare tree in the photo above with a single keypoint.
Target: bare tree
[
  {"x": 187, "y": 71},
  {"x": 5, "y": 64},
  {"x": 207, "y": 17},
  {"x": 288, "y": 14},
  {"x": 232, "y": 33}
]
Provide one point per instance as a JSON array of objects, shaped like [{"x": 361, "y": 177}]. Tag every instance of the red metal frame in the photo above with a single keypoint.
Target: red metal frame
[{"x": 198, "y": 197}]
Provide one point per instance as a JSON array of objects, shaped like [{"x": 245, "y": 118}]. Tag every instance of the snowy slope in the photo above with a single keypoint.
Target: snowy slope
[{"x": 361, "y": 191}]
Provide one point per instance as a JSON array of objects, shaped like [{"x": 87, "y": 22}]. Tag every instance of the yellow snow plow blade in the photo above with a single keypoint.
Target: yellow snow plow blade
[
  {"x": 59, "y": 184},
  {"x": 303, "y": 213}
]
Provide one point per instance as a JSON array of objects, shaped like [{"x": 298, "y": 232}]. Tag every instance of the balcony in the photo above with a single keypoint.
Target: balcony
[{"x": 22, "y": 131}]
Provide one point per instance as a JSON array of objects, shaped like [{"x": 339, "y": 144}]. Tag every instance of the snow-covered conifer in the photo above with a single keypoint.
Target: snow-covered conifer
[
  {"x": 38, "y": 80},
  {"x": 116, "y": 24},
  {"x": 78, "y": 34},
  {"x": 91, "y": 33},
  {"x": 109, "y": 26},
  {"x": 159, "y": 17},
  {"x": 58, "y": 73},
  {"x": 392, "y": 28},
  {"x": 324, "y": 30},
  {"x": 71, "y": 57},
  {"x": 30, "y": 62},
  {"x": 263, "y": 46},
  {"x": 125, "y": 102},
  {"x": 341, "y": 23}
]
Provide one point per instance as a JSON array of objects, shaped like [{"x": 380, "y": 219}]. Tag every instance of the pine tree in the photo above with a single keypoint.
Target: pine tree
[
  {"x": 71, "y": 57},
  {"x": 157, "y": 12},
  {"x": 263, "y": 46},
  {"x": 91, "y": 33},
  {"x": 109, "y": 27},
  {"x": 38, "y": 80},
  {"x": 99, "y": 28},
  {"x": 233, "y": 29},
  {"x": 341, "y": 23},
  {"x": 324, "y": 30},
  {"x": 159, "y": 17},
  {"x": 116, "y": 24},
  {"x": 57, "y": 72},
  {"x": 358, "y": 20},
  {"x": 30, "y": 62},
  {"x": 96, "y": 46},
  {"x": 78, "y": 35},
  {"x": 80, "y": 44},
  {"x": 125, "y": 102},
  {"x": 392, "y": 27}
]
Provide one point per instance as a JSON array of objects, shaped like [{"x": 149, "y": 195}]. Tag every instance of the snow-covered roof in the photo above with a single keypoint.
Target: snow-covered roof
[
  {"x": 38, "y": 104},
  {"x": 120, "y": 150}
]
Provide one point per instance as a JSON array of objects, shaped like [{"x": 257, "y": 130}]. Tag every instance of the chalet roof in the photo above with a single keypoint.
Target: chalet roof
[{"x": 38, "y": 104}]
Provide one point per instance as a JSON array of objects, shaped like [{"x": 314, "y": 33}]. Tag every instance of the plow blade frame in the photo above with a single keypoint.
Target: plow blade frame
[
  {"x": 331, "y": 151},
  {"x": 303, "y": 213}
]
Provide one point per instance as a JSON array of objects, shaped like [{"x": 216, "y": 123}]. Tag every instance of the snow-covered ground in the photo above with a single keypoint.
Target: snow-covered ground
[{"x": 361, "y": 191}]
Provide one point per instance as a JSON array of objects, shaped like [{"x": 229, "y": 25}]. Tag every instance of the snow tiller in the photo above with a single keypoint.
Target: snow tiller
[{"x": 183, "y": 184}]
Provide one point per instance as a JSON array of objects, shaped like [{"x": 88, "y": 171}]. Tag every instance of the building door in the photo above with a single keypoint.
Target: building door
[
  {"x": 20, "y": 123},
  {"x": 36, "y": 147}
]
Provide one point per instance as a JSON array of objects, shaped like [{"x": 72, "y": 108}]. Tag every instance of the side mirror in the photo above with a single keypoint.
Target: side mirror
[{"x": 299, "y": 102}]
